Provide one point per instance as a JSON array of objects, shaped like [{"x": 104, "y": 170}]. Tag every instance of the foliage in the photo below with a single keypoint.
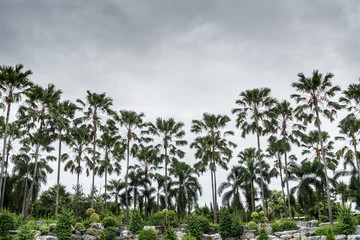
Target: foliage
[
  {"x": 322, "y": 231},
  {"x": 330, "y": 235},
  {"x": 63, "y": 228},
  {"x": 90, "y": 231},
  {"x": 253, "y": 225},
  {"x": 194, "y": 227},
  {"x": 94, "y": 218},
  {"x": 7, "y": 222},
  {"x": 283, "y": 226},
  {"x": 157, "y": 219},
  {"x": 188, "y": 236},
  {"x": 108, "y": 233},
  {"x": 237, "y": 229},
  {"x": 172, "y": 218},
  {"x": 263, "y": 235},
  {"x": 214, "y": 225},
  {"x": 90, "y": 211},
  {"x": 45, "y": 229},
  {"x": 204, "y": 223},
  {"x": 25, "y": 233},
  {"x": 225, "y": 224},
  {"x": 79, "y": 226},
  {"x": 33, "y": 225},
  {"x": 169, "y": 234},
  {"x": 347, "y": 221},
  {"x": 147, "y": 234},
  {"x": 109, "y": 222},
  {"x": 136, "y": 223}
]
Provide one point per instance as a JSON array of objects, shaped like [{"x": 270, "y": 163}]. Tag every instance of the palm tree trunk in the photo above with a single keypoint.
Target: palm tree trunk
[
  {"x": 106, "y": 173},
  {"x": 287, "y": 185},
  {"x": 356, "y": 156},
  {"x": 4, "y": 146},
  {"x": 58, "y": 177},
  {"x": 306, "y": 206},
  {"x": 214, "y": 179},
  {"x": 318, "y": 202},
  {"x": 260, "y": 165},
  {"x": 213, "y": 192},
  {"x": 282, "y": 185},
  {"x": 93, "y": 172},
  {"x": 166, "y": 176},
  {"x": 25, "y": 190},
  {"x": 126, "y": 180},
  {"x": 5, "y": 176},
  {"x": 77, "y": 183},
  {"x": 116, "y": 206},
  {"x": 35, "y": 167},
  {"x": 252, "y": 196},
  {"x": 325, "y": 168}
]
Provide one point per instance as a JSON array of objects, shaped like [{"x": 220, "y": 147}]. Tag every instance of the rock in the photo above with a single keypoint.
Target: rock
[
  {"x": 324, "y": 224},
  {"x": 273, "y": 237},
  {"x": 211, "y": 231},
  {"x": 96, "y": 226},
  {"x": 340, "y": 237},
  {"x": 160, "y": 229},
  {"x": 357, "y": 230},
  {"x": 306, "y": 231},
  {"x": 48, "y": 238},
  {"x": 126, "y": 234},
  {"x": 315, "y": 238},
  {"x": 248, "y": 234},
  {"x": 215, "y": 236},
  {"x": 40, "y": 223},
  {"x": 88, "y": 237},
  {"x": 286, "y": 237},
  {"x": 353, "y": 237},
  {"x": 119, "y": 230},
  {"x": 152, "y": 227},
  {"x": 13, "y": 232},
  {"x": 307, "y": 224},
  {"x": 75, "y": 237},
  {"x": 296, "y": 235},
  {"x": 279, "y": 234},
  {"x": 180, "y": 235}
]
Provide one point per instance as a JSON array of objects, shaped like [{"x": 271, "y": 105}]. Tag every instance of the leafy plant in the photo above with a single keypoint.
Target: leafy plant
[
  {"x": 63, "y": 228},
  {"x": 237, "y": 229},
  {"x": 90, "y": 231},
  {"x": 45, "y": 229},
  {"x": 225, "y": 224},
  {"x": 330, "y": 235},
  {"x": 136, "y": 223},
  {"x": 194, "y": 227},
  {"x": 25, "y": 233},
  {"x": 188, "y": 236},
  {"x": 204, "y": 223},
  {"x": 94, "y": 218},
  {"x": 169, "y": 234},
  {"x": 347, "y": 221},
  {"x": 79, "y": 226},
  {"x": 253, "y": 225},
  {"x": 109, "y": 222},
  {"x": 7, "y": 223},
  {"x": 322, "y": 231},
  {"x": 283, "y": 226},
  {"x": 263, "y": 235},
  {"x": 147, "y": 234},
  {"x": 90, "y": 211},
  {"x": 108, "y": 233}
]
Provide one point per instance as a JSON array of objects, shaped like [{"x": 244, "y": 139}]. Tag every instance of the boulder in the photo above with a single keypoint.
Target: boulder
[
  {"x": 75, "y": 237},
  {"x": 88, "y": 237},
  {"x": 306, "y": 231},
  {"x": 96, "y": 226},
  {"x": 353, "y": 237},
  {"x": 340, "y": 237},
  {"x": 357, "y": 230},
  {"x": 315, "y": 238},
  {"x": 212, "y": 230},
  {"x": 273, "y": 237},
  {"x": 119, "y": 230},
  {"x": 279, "y": 234},
  {"x": 48, "y": 238},
  {"x": 286, "y": 237},
  {"x": 160, "y": 229},
  {"x": 180, "y": 235},
  {"x": 248, "y": 234},
  {"x": 215, "y": 236},
  {"x": 40, "y": 223},
  {"x": 126, "y": 234},
  {"x": 307, "y": 224}
]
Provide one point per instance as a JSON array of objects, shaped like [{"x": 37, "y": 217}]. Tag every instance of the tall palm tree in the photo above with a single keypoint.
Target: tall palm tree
[
  {"x": 61, "y": 115},
  {"x": 212, "y": 148},
  {"x": 79, "y": 138},
  {"x": 96, "y": 105},
  {"x": 136, "y": 181},
  {"x": 351, "y": 97},
  {"x": 187, "y": 186},
  {"x": 316, "y": 92},
  {"x": 254, "y": 116},
  {"x": 37, "y": 109},
  {"x": 115, "y": 187},
  {"x": 170, "y": 133},
  {"x": 13, "y": 82},
  {"x": 134, "y": 125}
]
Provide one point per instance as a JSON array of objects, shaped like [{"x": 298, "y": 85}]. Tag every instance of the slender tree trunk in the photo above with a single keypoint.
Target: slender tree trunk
[
  {"x": 213, "y": 192},
  {"x": 116, "y": 205},
  {"x": 106, "y": 175},
  {"x": 306, "y": 206},
  {"x": 25, "y": 190},
  {"x": 93, "y": 170},
  {"x": 287, "y": 185},
  {"x": 5, "y": 175},
  {"x": 58, "y": 177},
  {"x": 4, "y": 146},
  {"x": 166, "y": 175},
  {"x": 260, "y": 165},
  {"x": 35, "y": 167},
  {"x": 282, "y": 185},
  {"x": 325, "y": 168},
  {"x": 126, "y": 178},
  {"x": 77, "y": 182},
  {"x": 252, "y": 196},
  {"x": 318, "y": 202},
  {"x": 214, "y": 178},
  {"x": 356, "y": 156}
]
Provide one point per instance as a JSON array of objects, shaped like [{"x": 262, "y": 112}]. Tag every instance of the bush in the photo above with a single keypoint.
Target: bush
[
  {"x": 214, "y": 225},
  {"x": 324, "y": 219},
  {"x": 94, "y": 218},
  {"x": 237, "y": 229},
  {"x": 172, "y": 218},
  {"x": 188, "y": 236},
  {"x": 90, "y": 211},
  {"x": 45, "y": 229},
  {"x": 63, "y": 227},
  {"x": 136, "y": 223},
  {"x": 252, "y": 225},
  {"x": 90, "y": 231},
  {"x": 225, "y": 224},
  {"x": 169, "y": 234},
  {"x": 109, "y": 222},
  {"x": 86, "y": 224},
  {"x": 33, "y": 225},
  {"x": 157, "y": 219},
  {"x": 347, "y": 221},
  {"x": 284, "y": 226},
  {"x": 25, "y": 233},
  {"x": 254, "y": 215},
  {"x": 203, "y": 223},
  {"x": 108, "y": 233},
  {"x": 79, "y": 226},
  {"x": 193, "y": 227},
  {"x": 330, "y": 235},
  {"x": 322, "y": 231},
  {"x": 263, "y": 235},
  {"x": 148, "y": 234},
  {"x": 7, "y": 222}
]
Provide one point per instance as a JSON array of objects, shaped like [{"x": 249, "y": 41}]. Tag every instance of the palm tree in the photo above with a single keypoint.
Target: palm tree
[
  {"x": 96, "y": 104},
  {"x": 213, "y": 148},
  {"x": 171, "y": 134},
  {"x": 13, "y": 82},
  {"x": 316, "y": 92},
  {"x": 136, "y": 180},
  {"x": 160, "y": 180},
  {"x": 134, "y": 126},
  {"x": 61, "y": 115},
  {"x": 79, "y": 138},
  {"x": 254, "y": 115},
  {"x": 187, "y": 186},
  {"x": 351, "y": 98},
  {"x": 36, "y": 109},
  {"x": 115, "y": 187}
]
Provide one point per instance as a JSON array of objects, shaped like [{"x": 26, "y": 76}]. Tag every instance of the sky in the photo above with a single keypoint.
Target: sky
[{"x": 180, "y": 59}]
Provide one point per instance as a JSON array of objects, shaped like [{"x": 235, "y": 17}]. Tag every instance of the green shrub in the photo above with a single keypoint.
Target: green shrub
[
  {"x": 193, "y": 227},
  {"x": 252, "y": 225},
  {"x": 324, "y": 219},
  {"x": 347, "y": 221},
  {"x": 237, "y": 229},
  {"x": 204, "y": 223},
  {"x": 214, "y": 225},
  {"x": 136, "y": 223},
  {"x": 33, "y": 225},
  {"x": 79, "y": 226},
  {"x": 25, "y": 233},
  {"x": 90, "y": 211},
  {"x": 169, "y": 234},
  {"x": 157, "y": 219},
  {"x": 254, "y": 215},
  {"x": 225, "y": 224},
  {"x": 45, "y": 229},
  {"x": 86, "y": 224},
  {"x": 148, "y": 234},
  {"x": 7, "y": 223},
  {"x": 90, "y": 231},
  {"x": 109, "y": 222},
  {"x": 94, "y": 218},
  {"x": 18, "y": 221},
  {"x": 63, "y": 227},
  {"x": 172, "y": 218},
  {"x": 188, "y": 236},
  {"x": 330, "y": 235},
  {"x": 108, "y": 233},
  {"x": 263, "y": 235},
  {"x": 283, "y": 226},
  {"x": 322, "y": 231}
]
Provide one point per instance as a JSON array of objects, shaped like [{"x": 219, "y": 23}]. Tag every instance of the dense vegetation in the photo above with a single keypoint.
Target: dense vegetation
[{"x": 158, "y": 187}]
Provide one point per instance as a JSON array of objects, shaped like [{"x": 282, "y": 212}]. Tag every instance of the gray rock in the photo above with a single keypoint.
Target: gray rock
[
  {"x": 180, "y": 235},
  {"x": 279, "y": 234},
  {"x": 48, "y": 238},
  {"x": 357, "y": 230},
  {"x": 307, "y": 224},
  {"x": 273, "y": 237},
  {"x": 324, "y": 224},
  {"x": 306, "y": 231},
  {"x": 315, "y": 238},
  {"x": 40, "y": 223},
  {"x": 296, "y": 235},
  {"x": 126, "y": 234},
  {"x": 119, "y": 230},
  {"x": 340, "y": 237},
  {"x": 248, "y": 234},
  {"x": 75, "y": 237},
  {"x": 88, "y": 237},
  {"x": 353, "y": 237},
  {"x": 96, "y": 226},
  {"x": 215, "y": 236},
  {"x": 286, "y": 237}
]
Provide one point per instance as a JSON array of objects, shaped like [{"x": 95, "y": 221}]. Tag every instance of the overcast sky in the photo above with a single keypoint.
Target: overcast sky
[{"x": 180, "y": 58}]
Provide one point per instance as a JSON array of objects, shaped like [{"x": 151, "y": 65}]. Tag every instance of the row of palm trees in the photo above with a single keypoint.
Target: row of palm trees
[{"x": 102, "y": 137}]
